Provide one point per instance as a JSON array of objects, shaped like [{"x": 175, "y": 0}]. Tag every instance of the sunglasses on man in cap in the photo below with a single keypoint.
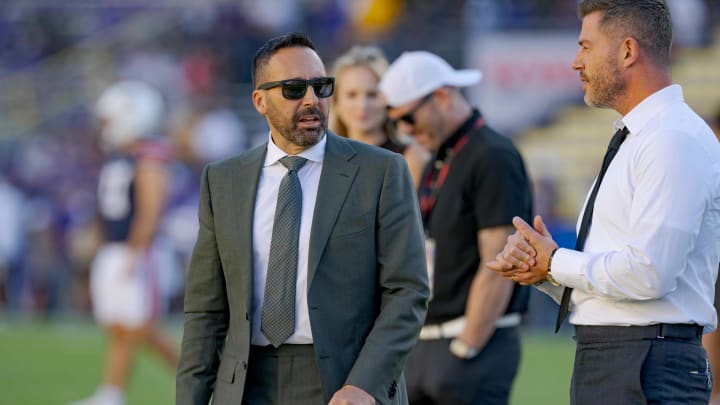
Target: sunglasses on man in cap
[{"x": 409, "y": 117}]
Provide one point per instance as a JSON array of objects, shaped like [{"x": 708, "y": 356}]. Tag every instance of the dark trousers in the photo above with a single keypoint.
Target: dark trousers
[
  {"x": 658, "y": 364},
  {"x": 436, "y": 376},
  {"x": 286, "y": 375}
]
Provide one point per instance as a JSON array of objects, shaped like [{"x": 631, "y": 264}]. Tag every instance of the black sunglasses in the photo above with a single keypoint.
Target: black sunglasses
[
  {"x": 295, "y": 89},
  {"x": 409, "y": 117}
]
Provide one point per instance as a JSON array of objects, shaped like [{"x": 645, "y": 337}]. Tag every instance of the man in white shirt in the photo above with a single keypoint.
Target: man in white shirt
[
  {"x": 711, "y": 341},
  {"x": 640, "y": 283}
]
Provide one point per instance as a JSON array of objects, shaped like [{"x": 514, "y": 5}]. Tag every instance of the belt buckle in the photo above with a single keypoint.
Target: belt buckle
[{"x": 660, "y": 334}]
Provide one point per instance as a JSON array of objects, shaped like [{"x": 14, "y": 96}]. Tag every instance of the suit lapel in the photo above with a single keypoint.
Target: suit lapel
[
  {"x": 242, "y": 201},
  {"x": 335, "y": 180}
]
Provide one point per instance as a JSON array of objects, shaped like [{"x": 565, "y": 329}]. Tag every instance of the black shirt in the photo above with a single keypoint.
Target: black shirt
[{"x": 486, "y": 186}]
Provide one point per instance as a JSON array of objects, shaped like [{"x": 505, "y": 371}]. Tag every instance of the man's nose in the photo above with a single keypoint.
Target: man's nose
[
  {"x": 310, "y": 98},
  {"x": 576, "y": 62}
]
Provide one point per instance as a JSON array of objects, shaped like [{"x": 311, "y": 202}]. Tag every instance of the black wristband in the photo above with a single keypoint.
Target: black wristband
[{"x": 550, "y": 259}]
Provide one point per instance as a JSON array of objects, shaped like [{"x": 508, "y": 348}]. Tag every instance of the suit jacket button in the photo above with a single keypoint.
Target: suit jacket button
[{"x": 392, "y": 390}]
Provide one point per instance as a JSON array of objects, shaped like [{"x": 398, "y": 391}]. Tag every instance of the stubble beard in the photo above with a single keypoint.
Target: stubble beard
[
  {"x": 605, "y": 87},
  {"x": 438, "y": 132}
]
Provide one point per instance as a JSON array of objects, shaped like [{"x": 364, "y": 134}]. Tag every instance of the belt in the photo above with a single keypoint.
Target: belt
[
  {"x": 284, "y": 350},
  {"x": 680, "y": 331},
  {"x": 454, "y": 327}
]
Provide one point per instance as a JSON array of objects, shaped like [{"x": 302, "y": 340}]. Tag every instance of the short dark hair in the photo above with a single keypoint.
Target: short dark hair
[
  {"x": 263, "y": 55},
  {"x": 648, "y": 21}
]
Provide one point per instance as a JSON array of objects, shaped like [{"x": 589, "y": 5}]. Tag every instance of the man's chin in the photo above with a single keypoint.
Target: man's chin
[
  {"x": 590, "y": 102},
  {"x": 595, "y": 103},
  {"x": 310, "y": 136}
]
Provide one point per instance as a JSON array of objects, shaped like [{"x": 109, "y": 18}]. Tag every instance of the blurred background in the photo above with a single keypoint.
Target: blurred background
[{"x": 56, "y": 57}]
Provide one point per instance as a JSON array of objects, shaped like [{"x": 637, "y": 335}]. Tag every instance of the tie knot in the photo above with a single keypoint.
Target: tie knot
[
  {"x": 293, "y": 163},
  {"x": 618, "y": 138}
]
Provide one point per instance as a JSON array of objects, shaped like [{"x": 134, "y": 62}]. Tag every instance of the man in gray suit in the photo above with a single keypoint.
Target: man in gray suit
[{"x": 359, "y": 288}]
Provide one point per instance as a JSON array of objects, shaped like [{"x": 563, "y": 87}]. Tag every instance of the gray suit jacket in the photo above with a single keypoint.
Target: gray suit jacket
[{"x": 367, "y": 280}]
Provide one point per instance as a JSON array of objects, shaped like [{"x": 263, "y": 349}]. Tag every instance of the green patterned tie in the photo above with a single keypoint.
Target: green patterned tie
[{"x": 278, "y": 312}]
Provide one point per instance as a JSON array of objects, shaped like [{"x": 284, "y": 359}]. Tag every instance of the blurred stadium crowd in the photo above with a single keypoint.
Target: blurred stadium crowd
[{"x": 57, "y": 56}]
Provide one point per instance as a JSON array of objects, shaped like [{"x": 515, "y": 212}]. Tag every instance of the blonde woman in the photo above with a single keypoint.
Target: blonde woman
[{"x": 358, "y": 111}]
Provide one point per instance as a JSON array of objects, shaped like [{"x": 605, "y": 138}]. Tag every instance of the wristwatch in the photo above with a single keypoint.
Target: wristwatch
[
  {"x": 549, "y": 276},
  {"x": 462, "y": 350}
]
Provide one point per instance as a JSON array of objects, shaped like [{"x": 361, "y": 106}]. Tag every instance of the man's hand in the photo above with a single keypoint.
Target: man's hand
[
  {"x": 351, "y": 395},
  {"x": 517, "y": 255},
  {"x": 525, "y": 256}
]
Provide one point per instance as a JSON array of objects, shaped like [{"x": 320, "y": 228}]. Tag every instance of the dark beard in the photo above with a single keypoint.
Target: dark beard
[{"x": 304, "y": 137}]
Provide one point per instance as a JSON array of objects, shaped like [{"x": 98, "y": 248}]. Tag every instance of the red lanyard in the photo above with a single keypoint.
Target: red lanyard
[{"x": 436, "y": 177}]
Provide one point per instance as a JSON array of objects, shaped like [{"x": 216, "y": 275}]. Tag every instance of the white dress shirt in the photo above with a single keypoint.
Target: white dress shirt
[
  {"x": 653, "y": 248},
  {"x": 265, "y": 201}
]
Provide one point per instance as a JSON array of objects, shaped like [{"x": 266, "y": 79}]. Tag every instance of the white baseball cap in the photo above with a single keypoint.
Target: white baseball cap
[
  {"x": 418, "y": 73},
  {"x": 131, "y": 109}
]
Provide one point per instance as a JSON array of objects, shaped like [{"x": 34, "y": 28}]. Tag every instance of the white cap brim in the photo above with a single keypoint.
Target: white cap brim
[{"x": 416, "y": 74}]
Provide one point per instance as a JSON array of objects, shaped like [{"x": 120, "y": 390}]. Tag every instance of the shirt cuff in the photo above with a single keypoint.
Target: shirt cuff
[{"x": 568, "y": 267}]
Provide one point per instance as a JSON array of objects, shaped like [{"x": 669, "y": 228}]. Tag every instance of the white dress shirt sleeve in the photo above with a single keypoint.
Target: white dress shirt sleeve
[{"x": 668, "y": 198}]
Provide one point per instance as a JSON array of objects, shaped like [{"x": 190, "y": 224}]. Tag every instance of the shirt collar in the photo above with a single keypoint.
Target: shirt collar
[
  {"x": 315, "y": 153},
  {"x": 453, "y": 139},
  {"x": 642, "y": 113}
]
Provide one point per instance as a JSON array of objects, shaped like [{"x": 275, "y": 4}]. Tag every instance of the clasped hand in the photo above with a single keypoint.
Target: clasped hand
[{"x": 524, "y": 259}]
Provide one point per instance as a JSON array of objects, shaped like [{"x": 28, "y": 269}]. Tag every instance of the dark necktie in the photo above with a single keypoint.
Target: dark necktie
[
  {"x": 615, "y": 142},
  {"x": 278, "y": 312}
]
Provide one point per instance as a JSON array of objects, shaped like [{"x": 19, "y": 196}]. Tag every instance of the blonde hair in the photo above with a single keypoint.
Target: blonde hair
[{"x": 370, "y": 57}]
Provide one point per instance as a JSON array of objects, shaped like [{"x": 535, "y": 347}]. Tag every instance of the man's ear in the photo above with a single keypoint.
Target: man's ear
[
  {"x": 444, "y": 97},
  {"x": 259, "y": 99},
  {"x": 629, "y": 51}
]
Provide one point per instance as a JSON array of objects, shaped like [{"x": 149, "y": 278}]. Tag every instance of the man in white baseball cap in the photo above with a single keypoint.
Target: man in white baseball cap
[
  {"x": 470, "y": 191},
  {"x": 412, "y": 80}
]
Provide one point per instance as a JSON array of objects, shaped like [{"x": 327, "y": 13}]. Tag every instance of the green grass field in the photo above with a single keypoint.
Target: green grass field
[{"x": 52, "y": 363}]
